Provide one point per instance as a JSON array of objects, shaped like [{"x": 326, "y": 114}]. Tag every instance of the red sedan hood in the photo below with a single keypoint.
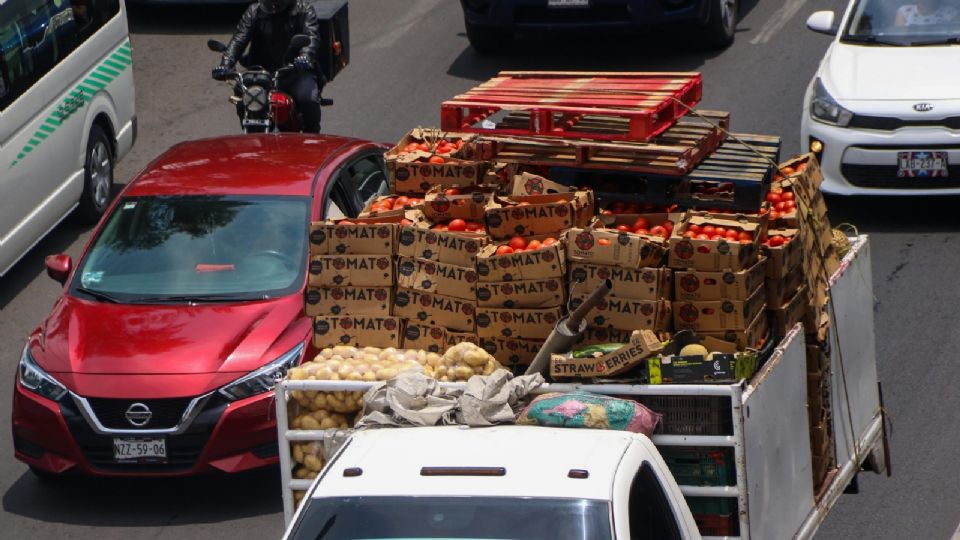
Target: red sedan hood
[{"x": 87, "y": 337}]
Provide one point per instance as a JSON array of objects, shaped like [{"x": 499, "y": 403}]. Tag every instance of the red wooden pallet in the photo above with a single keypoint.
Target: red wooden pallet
[{"x": 557, "y": 101}]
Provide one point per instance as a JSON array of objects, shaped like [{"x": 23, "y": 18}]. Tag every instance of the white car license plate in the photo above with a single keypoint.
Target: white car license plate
[
  {"x": 567, "y": 3},
  {"x": 139, "y": 449},
  {"x": 922, "y": 164}
]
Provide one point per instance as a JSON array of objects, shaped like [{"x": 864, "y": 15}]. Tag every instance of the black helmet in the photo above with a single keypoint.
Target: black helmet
[{"x": 274, "y": 6}]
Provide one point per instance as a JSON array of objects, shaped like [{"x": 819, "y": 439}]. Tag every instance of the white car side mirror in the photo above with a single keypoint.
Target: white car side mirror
[{"x": 822, "y": 23}]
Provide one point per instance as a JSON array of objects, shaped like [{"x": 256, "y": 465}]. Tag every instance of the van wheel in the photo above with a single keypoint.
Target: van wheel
[
  {"x": 97, "y": 177},
  {"x": 486, "y": 40},
  {"x": 721, "y": 26}
]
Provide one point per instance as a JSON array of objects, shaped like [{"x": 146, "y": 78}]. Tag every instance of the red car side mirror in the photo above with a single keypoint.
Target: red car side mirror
[{"x": 58, "y": 267}]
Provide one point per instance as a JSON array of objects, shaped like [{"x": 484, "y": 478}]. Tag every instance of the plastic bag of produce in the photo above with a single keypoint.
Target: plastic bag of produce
[{"x": 586, "y": 410}]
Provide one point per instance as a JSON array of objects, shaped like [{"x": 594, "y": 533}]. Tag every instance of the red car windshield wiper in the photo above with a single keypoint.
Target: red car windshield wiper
[
  {"x": 198, "y": 299},
  {"x": 97, "y": 295}
]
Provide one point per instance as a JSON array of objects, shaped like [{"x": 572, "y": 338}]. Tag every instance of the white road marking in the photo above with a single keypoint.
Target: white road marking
[
  {"x": 402, "y": 26},
  {"x": 779, "y": 19}
]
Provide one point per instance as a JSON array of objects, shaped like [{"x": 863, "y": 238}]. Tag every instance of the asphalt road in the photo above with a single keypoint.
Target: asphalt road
[{"x": 406, "y": 58}]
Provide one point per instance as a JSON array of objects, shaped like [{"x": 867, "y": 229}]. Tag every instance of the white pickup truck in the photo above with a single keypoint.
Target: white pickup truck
[{"x": 526, "y": 477}]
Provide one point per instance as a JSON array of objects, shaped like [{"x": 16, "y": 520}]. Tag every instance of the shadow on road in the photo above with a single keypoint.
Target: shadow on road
[
  {"x": 184, "y": 19},
  {"x": 122, "y": 502},
  {"x": 896, "y": 214}
]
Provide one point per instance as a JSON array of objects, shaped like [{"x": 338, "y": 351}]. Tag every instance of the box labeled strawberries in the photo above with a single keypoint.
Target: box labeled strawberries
[
  {"x": 714, "y": 242},
  {"x": 352, "y": 238},
  {"x": 516, "y": 323},
  {"x": 356, "y": 331},
  {"x": 435, "y": 309},
  {"x": 633, "y": 283},
  {"x": 529, "y": 215},
  {"x": 717, "y": 315},
  {"x": 723, "y": 285},
  {"x": 375, "y": 301},
  {"x": 540, "y": 257},
  {"x": 523, "y": 293},
  {"x": 598, "y": 245},
  {"x": 641, "y": 345},
  {"x": 626, "y": 313},
  {"x": 421, "y": 242},
  {"x": 351, "y": 270},
  {"x": 436, "y": 277}
]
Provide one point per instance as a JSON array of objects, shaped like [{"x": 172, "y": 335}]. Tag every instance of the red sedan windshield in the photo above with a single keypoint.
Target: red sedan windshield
[{"x": 197, "y": 248}]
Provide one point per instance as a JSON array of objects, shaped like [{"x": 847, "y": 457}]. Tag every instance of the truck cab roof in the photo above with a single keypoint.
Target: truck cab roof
[{"x": 515, "y": 461}]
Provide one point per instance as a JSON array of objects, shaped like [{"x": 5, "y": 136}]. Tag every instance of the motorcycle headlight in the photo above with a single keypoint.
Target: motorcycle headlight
[
  {"x": 265, "y": 378},
  {"x": 255, "y": 99},
  {"x": 33, "y": 378},
  {"x": 826, "y": 109}
]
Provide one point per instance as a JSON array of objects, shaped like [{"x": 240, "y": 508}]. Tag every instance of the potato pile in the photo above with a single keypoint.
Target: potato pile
[{"x": 460, "y": 362}]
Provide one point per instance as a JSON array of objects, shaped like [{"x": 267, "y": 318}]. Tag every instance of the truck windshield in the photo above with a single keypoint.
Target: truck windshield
[
  {"x": 474, "y": 518},
  {"x": 212, "y": 248}
]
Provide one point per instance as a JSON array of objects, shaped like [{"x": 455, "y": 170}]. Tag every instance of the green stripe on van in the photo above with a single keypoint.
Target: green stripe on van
[{"x": 97, "y": 79}]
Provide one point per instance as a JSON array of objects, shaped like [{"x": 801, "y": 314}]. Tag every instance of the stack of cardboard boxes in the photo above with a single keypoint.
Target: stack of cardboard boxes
[
  {"x": 350, "y": 284},
  {"x": 719, "y": 284}
]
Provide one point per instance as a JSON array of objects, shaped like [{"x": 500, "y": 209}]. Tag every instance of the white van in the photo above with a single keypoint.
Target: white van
[{"x": 66, "y": 114}]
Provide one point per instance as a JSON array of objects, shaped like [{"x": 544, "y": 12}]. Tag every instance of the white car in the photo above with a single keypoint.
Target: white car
[
  {"x": 535, "y": 483},
  {"x": 883, "y": 110}
]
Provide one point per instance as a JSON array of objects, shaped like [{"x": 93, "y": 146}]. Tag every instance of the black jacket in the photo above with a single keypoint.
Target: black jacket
[{"x": 269, "y": 35}]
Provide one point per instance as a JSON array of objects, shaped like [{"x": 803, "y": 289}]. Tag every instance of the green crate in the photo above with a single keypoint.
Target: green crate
[
  {"x": 712, "y": 506},
  {"x": 697, "y": 466}
]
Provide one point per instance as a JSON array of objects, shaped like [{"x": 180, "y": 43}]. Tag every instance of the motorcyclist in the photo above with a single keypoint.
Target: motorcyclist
[{"x": 267, "y": 26}]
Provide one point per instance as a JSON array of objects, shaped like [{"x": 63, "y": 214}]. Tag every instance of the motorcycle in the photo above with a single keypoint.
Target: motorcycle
[{"x": 262, "y": 107}]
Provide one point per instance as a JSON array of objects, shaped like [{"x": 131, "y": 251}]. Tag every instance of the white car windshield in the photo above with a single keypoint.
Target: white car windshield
[
  {"x": 197, "y": 248},
  {"x": 904, "y": 22},
  {"x": 453, "y": 518}
]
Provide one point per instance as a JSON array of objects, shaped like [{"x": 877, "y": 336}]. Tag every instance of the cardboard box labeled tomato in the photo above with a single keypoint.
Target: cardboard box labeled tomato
[
  {"x": 749, "y": 338},
  {"x": 470, "y": 204},
  {"x": 783, "y": 318},
  {"x": 780, "y": 291},
  {"x": 633, "y": 283},
  {"x": 374, "y": 301},
  {"x": 717, "y": 315},
  {"x": 529, "y": 215},
  {"x": 649, "y": 221},
  {"x": 390, "y": 207},
  {"x": 596, "y": 245},
  {"x": 527, "y": 183},
  {"x": 782, "y": 259},
  {"x": 524, "y": 293},
  {"x": 512, "y": 352},
  {"x": 715, "y": 255},
  {"x": 351, "y": 270},
  {"x": 516, "y": 323},
  {"x": 418, "y": 241},
  {"x": 357, "y": 331},
  {"x": 546, "y": 262},
  {"x": 438, "y": 278},
  {"x": 412, "y": 172},
  {"x": 424, "y": 337},
  {"x": 809, "y": 177},
  {"x": 725, "y": 285},
  {"x": 329, "y": 238},
  {"x": 625, "y": 313},
  {"x": 595, "y": 335},
  {"x": 435, "y": 309},
  {"x": 642, "y": 345}
]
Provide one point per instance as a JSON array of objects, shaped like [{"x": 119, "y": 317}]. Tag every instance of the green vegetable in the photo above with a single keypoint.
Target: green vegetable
[{"x": 597, "y": 350}]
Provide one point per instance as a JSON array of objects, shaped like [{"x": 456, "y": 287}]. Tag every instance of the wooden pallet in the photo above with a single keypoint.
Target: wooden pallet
[
  {"x": 557, "y": 102},
  {"x": 674, "y": 152}
]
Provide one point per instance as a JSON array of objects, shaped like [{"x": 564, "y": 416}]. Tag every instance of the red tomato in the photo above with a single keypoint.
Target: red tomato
[
  {"x": 504, "y": 250},
  {"x": 789, "y": 205},
  {"x": 534, "y": 245},
  {"x": 472, "y": 226},
  {"x": 518, "y": 243},
  {"x": 774, "y": 215},
  {"x": 780, "y": 206},
  {"x": 604, "y": 241},
  {"x": 520, "y": 250},
  {"x": 641, "y": 223},
  {"x": 733, "y": 235},
  {"x": 547, "y": 242},
  {"x": 659, "y": 231},
  {"x": 405, "y": 221},
  {"x": 720, "y": 231},
  {"x": 668, "y": 225},
  {"x": 744, "y": 236},
  {"x": 607, "y": 212},
  {"x": 709, "y": 230},
  {"x": 695, "y": 229},
  {"x": 787, "y": 196},
  {"x": 640, "y": 230},
  {"x": 716, "y": 237},
  {"x": 623, "y": 228},
  {"x": 452, "y": 191},
  {"x": 423, "y": 147},
  {"x": 775, "y": 241},
  {"x": 457, "y": 225},
  {"x": 689, "y": 234},
  {"x": 774, "y": 197},
  {"x": 401, "y": 201},
  {"x": 436, "y": 160},
  {"x": 702, "y": 236}
]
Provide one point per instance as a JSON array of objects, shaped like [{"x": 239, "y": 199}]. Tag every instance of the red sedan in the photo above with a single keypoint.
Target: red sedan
[{"x": 184, "y": 309}]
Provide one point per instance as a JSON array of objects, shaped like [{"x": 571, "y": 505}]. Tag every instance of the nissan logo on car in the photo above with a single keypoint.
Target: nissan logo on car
[
  {"x": 923, "y": 107},
  {"x": 138, "y": 415}
]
